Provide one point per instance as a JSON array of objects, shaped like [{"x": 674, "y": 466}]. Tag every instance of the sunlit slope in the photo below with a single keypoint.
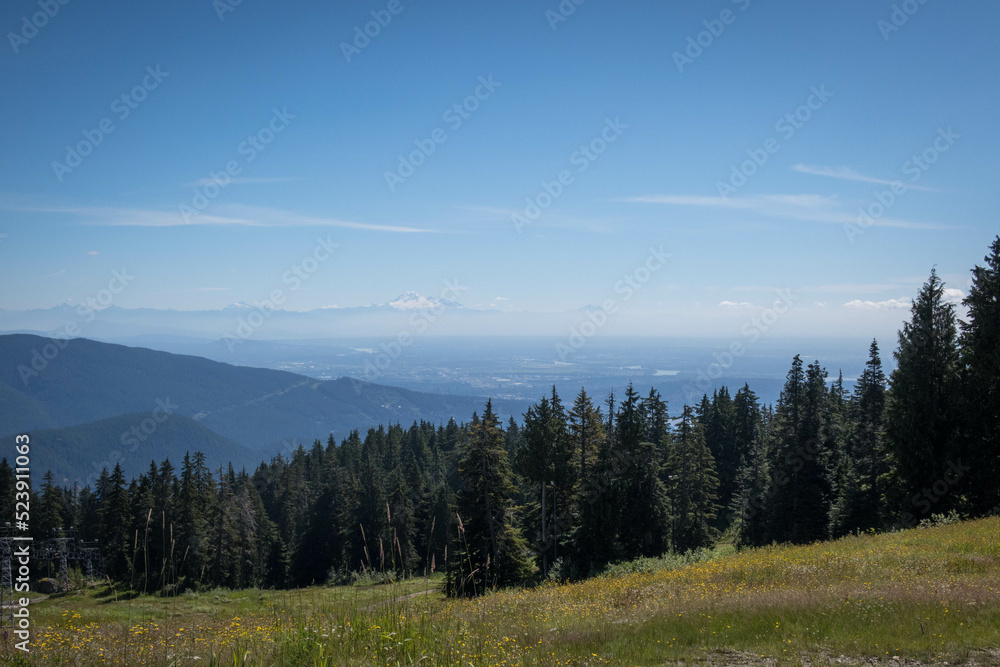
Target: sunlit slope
[{"x": 926, "y": 595}]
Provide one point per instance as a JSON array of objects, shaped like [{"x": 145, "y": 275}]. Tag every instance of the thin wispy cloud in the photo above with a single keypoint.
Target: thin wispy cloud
[
  {"x": 951, "y": 295},
  {"x": 132, "y": 217},
  {"x": 848, "y": 174},
  {"x": 548, "y": 218},
  {"x": 222, "y": 215},
  {"x": 736, "y": 304},
  {"x": 270, "y": 217},
  {"x": 805, "y": 208},
  {"x": 888, "y": 304}
]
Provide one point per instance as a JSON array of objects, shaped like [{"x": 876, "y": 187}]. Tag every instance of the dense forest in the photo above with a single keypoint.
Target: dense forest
[{"x": 576, "y": 486}]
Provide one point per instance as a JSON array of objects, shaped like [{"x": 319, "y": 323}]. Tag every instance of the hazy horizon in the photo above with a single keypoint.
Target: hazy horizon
[{"x": 683, "y": 165}]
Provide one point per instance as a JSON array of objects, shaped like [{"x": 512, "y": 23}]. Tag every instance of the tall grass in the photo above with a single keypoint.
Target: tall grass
[{"x": 930, "y": 595}]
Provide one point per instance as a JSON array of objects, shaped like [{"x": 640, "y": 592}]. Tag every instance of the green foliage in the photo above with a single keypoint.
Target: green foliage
[
  {"x": 620, "y": 484},
  {"x": 923, "y": 401},
  {"x": 668, "y": 561},
  {"x": 861, "y": 501},
  {"x": 489, "y": 551},
  {"x": 546, "y": 458},
  {"x": 979, "y": 439},
  {"x": 692, "y": 485}
]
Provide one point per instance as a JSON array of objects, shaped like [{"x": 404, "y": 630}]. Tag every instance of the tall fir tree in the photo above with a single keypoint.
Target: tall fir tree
[
  {"x": 488, "y": 549},
  {"x": 192, "y": 553},
  {"x": 800, "y": 489},
  {"x": 692, "y": 486},
  {"x": 595, "y": 540},
  {"x": 752, "y": 477},
  {"x": 860, "y": 503},
  {"x": 922, "y": 406},
  {"x": 642, "y": 501},
  {"x": 116, "y": 538},
  {"x": 586, "y": 431},
  {"x": 980, "y": 339},
  {"x": 546, "y": 460},
  {"x": 720, "y": 437}
]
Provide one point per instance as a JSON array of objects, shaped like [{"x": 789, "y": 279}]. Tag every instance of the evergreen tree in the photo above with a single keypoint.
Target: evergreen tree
[
  {"x": 49, "y": 517},
  {"x": 980, "y": 442},
  {"x": 861, "y": 501},
  {"x": 596, "y": 539},
  {"x": 546, "y": 459},
  {"x": 752, "y": 477},
  {"x": 488, "y": 551},
  {"x": 586, "y": 430},
  {"x": 402, "y": 523},
  {"x": 116, "y": 540},
  {"x": 800, "y": 486},
  {"x": 693, "y": 486},
  {"x": 750, "y": 501},
  {"x": 642, "y": 500},
  {"x": 225, "y": 533},
  {"x": 192, "y": 553},
  {"x": 720, "y": 437},
  {"x": 657, "y": 421},
  {"x": 747, "y": 422},
  {"x": 921, "y": 408}
]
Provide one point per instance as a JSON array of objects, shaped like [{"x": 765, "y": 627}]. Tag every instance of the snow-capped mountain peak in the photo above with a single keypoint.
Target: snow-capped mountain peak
[
  {"x": 413, "y": 301},
  {"x": 237, "y": 306}
]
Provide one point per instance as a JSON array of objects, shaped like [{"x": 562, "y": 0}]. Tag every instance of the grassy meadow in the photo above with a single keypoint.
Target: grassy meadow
[{"x": 923, "y": 596}]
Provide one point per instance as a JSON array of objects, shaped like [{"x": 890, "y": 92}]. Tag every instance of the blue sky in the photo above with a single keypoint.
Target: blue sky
[{"x": 197, "y": 87}]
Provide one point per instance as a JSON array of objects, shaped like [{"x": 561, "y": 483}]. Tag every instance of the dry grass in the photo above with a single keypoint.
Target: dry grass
[{"x": 924, "y": 596}]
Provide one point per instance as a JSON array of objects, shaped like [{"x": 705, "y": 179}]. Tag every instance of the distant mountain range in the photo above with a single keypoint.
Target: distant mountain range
[
  {"x": 79, "y": 398},
  {"x": 78, "y": 454},
  {"x": 410, "y": 312}
]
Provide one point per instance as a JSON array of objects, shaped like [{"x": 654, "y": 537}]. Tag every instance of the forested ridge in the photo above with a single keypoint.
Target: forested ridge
[{"x": 575, "y": 486}]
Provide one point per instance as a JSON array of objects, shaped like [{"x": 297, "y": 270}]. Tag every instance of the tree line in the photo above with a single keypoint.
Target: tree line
[{"x": 570, "y": 489}]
